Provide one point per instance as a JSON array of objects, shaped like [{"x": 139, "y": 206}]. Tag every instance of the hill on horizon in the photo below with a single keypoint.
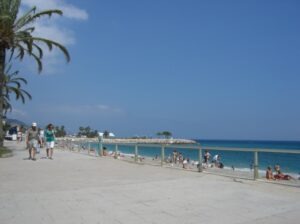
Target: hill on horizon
[{"x": 15, "y": 122}]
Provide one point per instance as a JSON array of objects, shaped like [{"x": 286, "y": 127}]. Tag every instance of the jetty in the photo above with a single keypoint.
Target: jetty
[
  {"x": 133, "y": 140},
  {"x": 148, "y": 141}
]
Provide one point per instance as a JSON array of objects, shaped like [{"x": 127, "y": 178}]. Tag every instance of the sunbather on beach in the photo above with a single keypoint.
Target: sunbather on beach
[
  {"x": 175, "y": 154},
  {"x": 180, "y": 158},
  {"x": 185, "y": 163},
  {"x": 215, "y": 158},
  {"x": 217, "y": 161},
  {"x": 105, "y": 153},
  {"x": 206, "y": 157},
  {"x": 116, "y": 155},
  {"x": 279, "y": 175},
  {"x": 269, "y": 174}
]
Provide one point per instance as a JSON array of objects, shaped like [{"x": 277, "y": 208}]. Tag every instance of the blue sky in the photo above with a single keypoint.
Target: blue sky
[{"x": 200, "y": 69}]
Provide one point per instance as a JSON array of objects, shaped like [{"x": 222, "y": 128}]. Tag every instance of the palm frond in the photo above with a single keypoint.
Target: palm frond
[
  {"x": 11, "y": 54},
  {"x": 8, "y": 68},
  {"x": 58, "y": 45},
  {"x": 31, "y": 16},
  {"x": 15, "y": 73},
  {"x": 14, "y": 9},
  {"x": 10, "y": 7},
  {"x": 21, "y": 51},
  {"x": 38, "y": 61},
  {"x": 12, "y": 84},
  {"x": 19, "y": 79},
  {"x": 39, "y": 49},
  {"x": 29, "y": 29},
  {"x": 49, "y": 12},
  {"x": 23, "y": 20},
  {"x": 6, "y": 105},
  {"x": 28, "y": 44},
  {"x": 19, "y": 94}
]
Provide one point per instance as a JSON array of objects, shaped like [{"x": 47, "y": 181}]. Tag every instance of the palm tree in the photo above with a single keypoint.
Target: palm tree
[
  {"x": 167, "y": 134},
  {"x": 60, "y": 131},
  {"x": 12, "y": 85},
  {"x": 105, "y": 134},
  {"x": 16, "y": 37},
  {"x": 159, "y": 134}
]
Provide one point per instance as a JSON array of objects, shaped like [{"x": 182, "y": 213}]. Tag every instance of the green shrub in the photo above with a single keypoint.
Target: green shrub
[{"x": 3, "y": 151}]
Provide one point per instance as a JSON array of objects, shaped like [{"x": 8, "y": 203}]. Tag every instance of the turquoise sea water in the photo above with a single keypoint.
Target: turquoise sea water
[{"x": 290, "y": 163}]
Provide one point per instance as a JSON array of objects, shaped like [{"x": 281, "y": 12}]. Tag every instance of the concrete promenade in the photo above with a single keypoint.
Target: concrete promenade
[{"x": 75, "y": 188}]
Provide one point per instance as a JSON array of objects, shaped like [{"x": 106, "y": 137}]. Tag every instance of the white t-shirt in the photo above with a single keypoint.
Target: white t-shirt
[
  {"x": 207, "y": 154},
  {"x": 216, "y": 158}
]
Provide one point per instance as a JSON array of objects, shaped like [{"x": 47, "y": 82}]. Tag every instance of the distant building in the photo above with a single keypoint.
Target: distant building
[
  {"x": 111, "y": 135},
  {"x": 12, "y": 133},
  {"x": 106, "y": 135}
]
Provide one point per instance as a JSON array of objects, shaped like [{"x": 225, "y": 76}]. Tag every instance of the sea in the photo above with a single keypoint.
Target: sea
[{"x": 239, "y": 160}]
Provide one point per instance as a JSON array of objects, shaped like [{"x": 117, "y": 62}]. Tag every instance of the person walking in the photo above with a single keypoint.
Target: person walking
[
  {"x": 42, "y": 138},
  {"x": 50, "y": 139},
  {"x": 19, "y": 134},
  {"x": 32, "y": 139}
]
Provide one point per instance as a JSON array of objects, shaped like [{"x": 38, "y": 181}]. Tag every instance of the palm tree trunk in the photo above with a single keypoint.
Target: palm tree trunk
[{"x": 2, "y": 65}]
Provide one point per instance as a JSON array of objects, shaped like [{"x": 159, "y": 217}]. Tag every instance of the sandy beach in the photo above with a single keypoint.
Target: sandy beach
[
  {"x": 83, "y": 147},
  {"x": 74, "y": 188}
]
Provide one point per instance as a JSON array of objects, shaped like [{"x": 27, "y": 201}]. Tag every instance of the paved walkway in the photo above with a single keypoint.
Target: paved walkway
[{"x": 74, "y": 188}]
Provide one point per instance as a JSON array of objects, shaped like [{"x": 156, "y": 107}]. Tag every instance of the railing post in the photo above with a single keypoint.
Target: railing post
[
  {"x": 116, "y": 151},
  {"x": 162, "y": 155},
  {"x": 101, "y": 145},
  {"x": 97, "y": 150},
  {"x": 255, "y": 174},
  {"x": 136, "y": 153},
  {"x": 200, "y": 168},
  {"x": 79, "y": 147}
]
